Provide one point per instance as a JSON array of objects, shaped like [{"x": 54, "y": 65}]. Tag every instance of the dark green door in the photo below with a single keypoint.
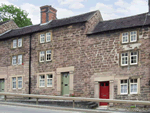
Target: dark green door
[
  {"x": 1, "y": 85},
  {"x": 65, "y": 83}
]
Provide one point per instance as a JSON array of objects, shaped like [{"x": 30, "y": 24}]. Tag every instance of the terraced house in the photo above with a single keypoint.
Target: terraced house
[{"x": 82, "y": 55}]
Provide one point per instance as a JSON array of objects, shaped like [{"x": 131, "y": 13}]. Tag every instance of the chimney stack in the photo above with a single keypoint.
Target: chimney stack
[{"x": 47, "y": 13}]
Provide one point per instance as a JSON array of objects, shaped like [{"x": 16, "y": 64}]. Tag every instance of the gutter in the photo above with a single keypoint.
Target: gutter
[{"x": 30, "y": 64}]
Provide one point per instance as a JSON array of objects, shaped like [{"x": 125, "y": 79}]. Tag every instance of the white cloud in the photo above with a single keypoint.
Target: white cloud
[
  {"x": 73, "y": 4},
  {"x": 121, "y": 8},
  {"x": 33, "y": 12},
  {"x": 5, "y": 2}
]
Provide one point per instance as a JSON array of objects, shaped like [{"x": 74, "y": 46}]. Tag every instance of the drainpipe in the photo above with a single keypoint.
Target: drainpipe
[{"x": 30, "y": 65}]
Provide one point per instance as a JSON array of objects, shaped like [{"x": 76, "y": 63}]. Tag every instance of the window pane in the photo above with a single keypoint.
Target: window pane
[
  {"x": 19, "y": 59},
  {"x": 134, "y": 58},
  {"x": 42, "y": 80},
  {"x": 42, "y": 38},
  {"x": 14, "y": 82},
  {"x": 48, "y": 37},
  {"x": 48, "y": 55},
  {"x": 14, "y": 43},
  {"x": 125, "y": 37},
  {"x": 19, "y": 82},
  {"x": 124, "y": 58},
  {"x": 133, "y": 36},
  {"x": 14, "y": 60},
  {"x": 20, "y": 42},
  {"x": 42, "y": 56}
]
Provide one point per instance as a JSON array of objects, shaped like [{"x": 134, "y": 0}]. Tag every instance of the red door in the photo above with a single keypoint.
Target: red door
[{"x": 104, "y": 92}]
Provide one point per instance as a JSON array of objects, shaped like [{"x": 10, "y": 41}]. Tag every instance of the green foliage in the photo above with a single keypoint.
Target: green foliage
[{"x": 10, "y": 12}]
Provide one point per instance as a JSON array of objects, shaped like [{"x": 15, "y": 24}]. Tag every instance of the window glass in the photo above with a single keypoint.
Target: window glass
[
  {"x": 20, "y": 42},
  {"x": 19, "y": 59},
  {"x": 42, "y": 80},
  {"x": 124, "y": 37},
  {"x": 49, "y": 80},
  {"x": 42, "y": 38},
  {"x": 124, "y": 86},
  {"x": 48, "y": 37},
  {"x": 14, "y": 43},
  {"x": 124, "y": 59},
  {"x": 19, "y": 82},
  {"x": 133, "y": 36},
  {"x": 14, "y": 60},
  {"x": 48, "y": 55},
  {"x": 42, "y": 56},
  {"x": 134, "y": 58},
  {"x": 14, "y": 82},
  {"x": 133, "y": 86}
]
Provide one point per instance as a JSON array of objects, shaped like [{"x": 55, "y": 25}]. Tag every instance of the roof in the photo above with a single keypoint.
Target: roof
[
  {"x": 3, "y": 22},
  {"x": 122, "y": 23},
  {"x": 51, "y": 24}
]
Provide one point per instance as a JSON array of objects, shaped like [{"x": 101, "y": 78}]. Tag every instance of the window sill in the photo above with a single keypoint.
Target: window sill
[{"x": 129, "y": 43}]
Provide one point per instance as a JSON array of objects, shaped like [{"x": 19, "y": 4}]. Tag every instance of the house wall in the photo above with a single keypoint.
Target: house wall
[{"x": 8, "y": 26}]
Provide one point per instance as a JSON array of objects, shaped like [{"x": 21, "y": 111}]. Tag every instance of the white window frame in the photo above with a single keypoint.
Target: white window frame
[
  {"x": 49, "y": 79},
  {"x": 14, "y": 82},
  {"x": 18, "y": 83},
  {"x": 14, "y": 59},
  {"x": 49, "y": 54},
  {"x": 15, "y": 43},
  {"x": 41, "y": 80},
  {"x": 124, "y": 57},
  {"x": 19, "y": 59},
  {"x": 41, "y": 55},
  {"x": 48, "y": 35},
  {"x": 20, "y": 42},
  {"x": 133, "y": 83},
  {"x": 42, "y": 36},
  {"x": 124, "y": 84},
  {"x": 124, "y": 36},
  {"x": 136, "y": 58},
  {"x": 133, "y": 35}
]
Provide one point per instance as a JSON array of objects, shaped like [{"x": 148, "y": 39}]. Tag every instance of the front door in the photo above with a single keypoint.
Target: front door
[
  {"x": 104, "y": 92},
  {"x": 65, "y": 83}
]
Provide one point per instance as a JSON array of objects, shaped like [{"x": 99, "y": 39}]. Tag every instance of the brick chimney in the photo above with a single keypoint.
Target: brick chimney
[{"x": 47, "y": 13}]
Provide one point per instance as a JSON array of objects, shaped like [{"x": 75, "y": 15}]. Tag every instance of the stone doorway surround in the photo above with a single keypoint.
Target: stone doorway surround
[
  {"x": 71, "y": 78},
  {"x": 102, "y": 77}
]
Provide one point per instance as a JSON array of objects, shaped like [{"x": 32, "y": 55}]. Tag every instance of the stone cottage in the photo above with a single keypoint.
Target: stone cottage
[{"x": 81, "y": 55}]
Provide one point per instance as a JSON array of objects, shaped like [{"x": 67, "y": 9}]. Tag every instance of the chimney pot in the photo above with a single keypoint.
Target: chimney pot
[{"x": 47, "y": 13}]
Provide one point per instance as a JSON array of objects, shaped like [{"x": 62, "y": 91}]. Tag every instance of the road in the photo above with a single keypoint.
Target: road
[{"x": 18, "y": 109}]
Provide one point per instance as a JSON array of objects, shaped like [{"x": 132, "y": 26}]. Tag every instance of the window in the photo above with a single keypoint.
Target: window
[
  {"x": 124, "y": 59},
  {"x": 42, "y": 55},
  {"x": 49, "y": 80},
  {"x": 14, "y": 43},
  {"x": 133, "y": 36},
  {"x": 42, "y": 38},
  {"x": 19, "y": 59},
  {"x": 133, "y": 86},
  {"x": 20, "y": 42},
  {"x": 42, "y": 80},
  {"x": 124, "y": 37},
  {"x": 19, "y": 82},
  {"x": 14, "y": 60},
  {"x": 48, "y": 37},
  {"x": 48, "y": 55},
  {"x": 124, "y": 86},
  {"x": 14, "y": 82},
  {"x": 133, "y": 58}
]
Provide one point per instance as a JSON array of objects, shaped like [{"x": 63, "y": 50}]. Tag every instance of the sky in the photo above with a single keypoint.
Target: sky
[{"x": 110, "y": 9}]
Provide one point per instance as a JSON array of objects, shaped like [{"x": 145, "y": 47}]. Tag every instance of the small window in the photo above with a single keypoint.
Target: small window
[
  {"x": 20, "y": 42},
  {"x": 14, "y": 82},
  {"x": 133, "y": 86},
  {"x": 48, "y": 55},
  {"x": 134, "y": 58},
  {"x": 14, "y": 43},
  {"x": 19, "y": 82},
  {"x": 133, "y": 36},
  {"x": 124, "y": 59},
  {"x": 124, "y": 86},
  {"x": 42, "y": 80},
  {"x": 42, "y": 38},
  {"x": 125, "y": 38},
  {"x": 48, "y": 37},
  {"x": 14, "y": 60},
  {"x": 49, "y": 80},
  {"x": 42, "y": 56},
  {"x": 102, "y": 84},
  {"x": 19, "y": 59}
]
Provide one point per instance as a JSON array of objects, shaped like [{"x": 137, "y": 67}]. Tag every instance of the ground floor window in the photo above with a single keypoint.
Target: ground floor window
[{"x": 17, "y": 82}]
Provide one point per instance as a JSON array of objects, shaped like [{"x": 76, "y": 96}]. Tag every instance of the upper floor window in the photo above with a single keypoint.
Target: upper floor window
[
  {"x": 42, "y": 38},
  {"x": 125, "y": 38},
  {"x": 48, "y": 37},
  {"x": 17, "y": 58},
  {"x": 48, "y": 55},
  {"x": 20, "y": 42},
  {"x": 14, "y": 60},
  {"x": 133, "y": 36},
  {"x": 129, "y": 58},
  {"x": 14, "y": 43},
  {"x": 42, "y": 56},
  {"x": 129, "y": 37},
  {"x": 17, "y": 43}
]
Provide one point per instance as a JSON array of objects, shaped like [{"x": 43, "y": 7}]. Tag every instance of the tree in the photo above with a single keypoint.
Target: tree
[{"x": 10, "y": 12}]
